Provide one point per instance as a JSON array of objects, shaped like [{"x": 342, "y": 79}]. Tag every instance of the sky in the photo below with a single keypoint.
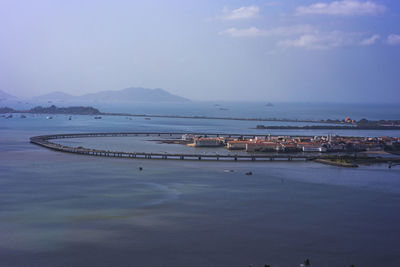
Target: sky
[{"x": 206, "y": 50}]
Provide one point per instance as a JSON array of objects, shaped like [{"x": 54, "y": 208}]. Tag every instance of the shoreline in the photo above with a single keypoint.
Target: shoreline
[
  {"x": 337, "y": 124},
  {"x": 329, "y": 127},
  {"x": 336, "y": 163}
]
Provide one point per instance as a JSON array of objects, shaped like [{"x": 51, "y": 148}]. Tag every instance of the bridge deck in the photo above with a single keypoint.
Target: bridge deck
[{"x": 44, "y": 142}]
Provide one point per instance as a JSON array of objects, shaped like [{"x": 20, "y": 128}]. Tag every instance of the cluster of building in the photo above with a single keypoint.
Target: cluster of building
[
  {"x": 349, "y": 120},
  {"x": 296, "y": 144}
]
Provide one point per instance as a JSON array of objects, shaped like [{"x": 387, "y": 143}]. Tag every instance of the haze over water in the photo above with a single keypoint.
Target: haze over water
[{"x": 64, "y": 209}]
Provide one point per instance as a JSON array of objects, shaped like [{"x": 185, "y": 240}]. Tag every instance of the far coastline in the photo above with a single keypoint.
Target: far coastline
[{"x": 330, "y": 124}]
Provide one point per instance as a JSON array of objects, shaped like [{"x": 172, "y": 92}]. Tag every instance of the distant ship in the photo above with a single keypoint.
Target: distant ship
[
  {"x": 269, "y": 104},
  {"x": 147, "y": 119},
  {"x": 49, "y": 117},
  {"x": 97, "y": 118},
  {"x": 23, "y": 116}
]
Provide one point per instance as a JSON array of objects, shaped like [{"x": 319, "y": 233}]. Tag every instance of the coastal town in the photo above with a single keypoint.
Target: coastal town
[{"x": 293, "y": 144}]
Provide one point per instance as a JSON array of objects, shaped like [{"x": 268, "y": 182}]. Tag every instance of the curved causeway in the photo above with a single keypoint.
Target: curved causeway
[{"x": 45, "y": 141}]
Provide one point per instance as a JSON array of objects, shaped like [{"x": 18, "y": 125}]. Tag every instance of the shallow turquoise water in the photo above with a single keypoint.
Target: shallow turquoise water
[{"x": 60, "y": 209}]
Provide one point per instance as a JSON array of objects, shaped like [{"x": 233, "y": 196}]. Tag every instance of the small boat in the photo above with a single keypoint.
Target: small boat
[
  {"x": 97, "y": 118},
  {"x": 49, "y": 117},
  {"x": 23, "y": 117},
  {"x": 70, "y": 118},
  {"x": 9, "y": 116},
  {"x": 147, "y": 119}
]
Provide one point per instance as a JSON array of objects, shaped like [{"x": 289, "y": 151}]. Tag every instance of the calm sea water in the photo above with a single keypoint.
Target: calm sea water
[
  {"x": 304, "y": 111},
  {"x": 59, "y": 209},
  {"x": 307, "y": 111}
]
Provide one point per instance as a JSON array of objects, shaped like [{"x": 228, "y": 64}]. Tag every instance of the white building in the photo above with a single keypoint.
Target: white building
[
  {"x": 314, "y": 148},
  {"x": 207, "y": 142},
  {"x": 237, "y": 145},
  {"x": 188, "y": 137}
]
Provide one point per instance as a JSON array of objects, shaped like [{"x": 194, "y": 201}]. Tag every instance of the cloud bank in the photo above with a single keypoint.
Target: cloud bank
[
  {"x": 393, "y": 39},
  {"x": 279, "y": 31},
  {"x": 330, "y": 40},
  {"x": 245, "y": 12},
  {"x": 346, "y": 7}
]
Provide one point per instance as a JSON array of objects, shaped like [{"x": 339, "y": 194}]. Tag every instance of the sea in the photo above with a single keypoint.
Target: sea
[{"x": 59, "y": 209}]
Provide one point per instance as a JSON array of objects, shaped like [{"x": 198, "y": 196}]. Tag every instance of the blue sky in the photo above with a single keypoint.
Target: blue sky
[{"x": 294, "y": 50}]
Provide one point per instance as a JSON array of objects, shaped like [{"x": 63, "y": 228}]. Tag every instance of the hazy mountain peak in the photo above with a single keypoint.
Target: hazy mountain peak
[
  {"x": 4, "y": 95},
  {"x": 131, "y": 94},
  {"x": 135, "y": 94}
]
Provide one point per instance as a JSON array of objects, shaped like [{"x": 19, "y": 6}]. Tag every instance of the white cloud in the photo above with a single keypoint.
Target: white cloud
[
  {"x": 245, "y": 12},
  {"x": 279, "y": 31},
  {"x": 309, "y": 37},
  {"x": 393, "y": 39},
  {"x": 345, "y": 7},
  {"x": 330, "y": 40},
  {"x": 370, "y": 40}
]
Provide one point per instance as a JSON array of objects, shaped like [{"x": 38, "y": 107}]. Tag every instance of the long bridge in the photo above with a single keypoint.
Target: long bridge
[{"x": 44, "y": 141}]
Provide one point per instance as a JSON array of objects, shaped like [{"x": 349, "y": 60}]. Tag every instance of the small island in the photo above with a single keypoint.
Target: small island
[{"x": 77, "y": 110}]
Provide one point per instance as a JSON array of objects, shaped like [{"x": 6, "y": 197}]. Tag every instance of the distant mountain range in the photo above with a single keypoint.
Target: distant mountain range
[
  {"x": 132, "y": 94},
  {"x": 5, "y": 96}
]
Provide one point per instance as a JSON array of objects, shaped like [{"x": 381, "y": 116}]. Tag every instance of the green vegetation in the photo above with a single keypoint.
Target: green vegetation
[
  {"x": 341, "y": 161},
  {"x": 78, "y": 110}
]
